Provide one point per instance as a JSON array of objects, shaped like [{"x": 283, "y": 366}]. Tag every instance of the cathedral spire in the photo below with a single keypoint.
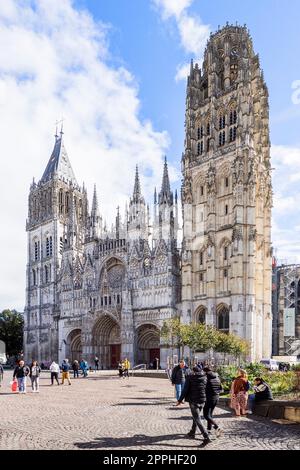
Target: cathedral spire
[
  {"x": 137, "y": 186},
  {"x": 95, "y": 207},
  {"x": 165, "y": 194},
  {"x": 59, "y": 164}
]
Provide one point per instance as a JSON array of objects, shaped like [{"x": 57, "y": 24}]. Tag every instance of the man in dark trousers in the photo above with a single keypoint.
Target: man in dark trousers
[
  {"x": 213, "y": 390},
  {"x": 194, "y": 392},
  {"x": 178, "y": 377}
]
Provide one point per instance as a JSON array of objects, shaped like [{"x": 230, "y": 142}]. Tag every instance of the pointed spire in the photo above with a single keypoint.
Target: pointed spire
[
  {"x": 59, "y": 163},
  {"x": 165, "y": 194},
  {"x": 137, "y": 185},
  {"x": 95, "y": 208},
  {"x": 118, "y": 224}
]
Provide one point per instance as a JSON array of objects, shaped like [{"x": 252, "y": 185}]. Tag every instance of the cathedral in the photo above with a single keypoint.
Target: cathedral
[{"x": 106, "y": 293}]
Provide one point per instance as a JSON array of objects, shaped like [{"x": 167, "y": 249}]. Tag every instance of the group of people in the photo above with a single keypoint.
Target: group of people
[
  {"x": 201, "y": 388},
  {"x": 33, "y": 371},
  {"x": 123, "y": 368}
]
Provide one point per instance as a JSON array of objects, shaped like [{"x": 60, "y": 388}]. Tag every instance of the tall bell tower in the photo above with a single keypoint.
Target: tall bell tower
[{"x": 227, "y": 192}]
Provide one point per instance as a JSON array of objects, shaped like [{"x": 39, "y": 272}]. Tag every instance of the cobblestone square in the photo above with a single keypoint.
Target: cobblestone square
[{"x": 105, "y": 412}]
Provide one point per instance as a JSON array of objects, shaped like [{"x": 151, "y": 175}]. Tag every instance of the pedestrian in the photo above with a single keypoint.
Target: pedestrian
[
  {"x": 194, "y": 392},
  {"x": 84, "y": 367},
  {"x": 65, "y": 367},
  {"x": 34, "y": 375},
  {"x": 213, "y": 390},
  {"x": 20, "y": 373},
  {"x": 120, "y": 369},
  {"x": 75, "y": 367},
  {"x": 54, "y": 369},
  {"x": 179, "y": 374},
  {"x": 1, "y": 374},
  {"x": 239, "y": 393},
  {"x": 126, "y": 368},
  {"x": 262, "y": 391},
  {"x": 96, "y": 360}
]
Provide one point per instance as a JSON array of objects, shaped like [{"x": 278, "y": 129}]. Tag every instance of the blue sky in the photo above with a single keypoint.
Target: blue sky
[
  {"x": 116, "y": 71},
  {"x": 151, "y": 49}
]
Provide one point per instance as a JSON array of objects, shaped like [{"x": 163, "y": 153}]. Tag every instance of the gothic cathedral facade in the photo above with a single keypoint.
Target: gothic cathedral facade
[{"x": 97, "y": 292}]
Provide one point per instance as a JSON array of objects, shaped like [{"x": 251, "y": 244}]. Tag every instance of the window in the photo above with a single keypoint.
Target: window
[
  {"x": 226, "y": 209},
  {"x": 223, "y": 319},
  {"x": 200, "y": 148},
  {"x": 34, "y": 277},
  {"x": 61, "y": 245},
  {"x": 60, "y": 202},
  {"x": 222, "y": 122},
  {"x": 208, "y": 129},
  {"x": 232, "y": 134},
  {"x": 201, "y": 190},
  {"x": 36, "y": 251},
  {"x": 225, "y": 253},
  {"x": 200, "y": 132},
  {"x": 226, "y": 182},
  {"x": 49, "y": 247},
  {"x": 207, "y": 145},
  {"x": 46, "y": 274},
  {"x": 201, "y": 277},
  {"x": 222, "y": 138},
  {"x": 200, "y": 315},
  {"x": 201, "y": 258},
  {"x": 225, "y": 273}
]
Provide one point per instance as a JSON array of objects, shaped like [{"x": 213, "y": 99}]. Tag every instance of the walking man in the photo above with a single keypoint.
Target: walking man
[
  {"x": 126, "y": 368},
  {"x": 96, "y": 360},
  {"x": 194, "y": 393},
  {"x": 213, "y": 390},
  {"x": 75, "y": 367},
  {"x": 54, "y": 369},
  {"x": 178, "y": 377},
  {"x": 20, "y": 373},
  {"x": 65, "y": 371}
]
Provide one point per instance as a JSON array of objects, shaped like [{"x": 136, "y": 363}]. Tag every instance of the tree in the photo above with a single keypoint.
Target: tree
[
  {"x": 11, "y": 331},
  {"x": 175, "y": 334}
]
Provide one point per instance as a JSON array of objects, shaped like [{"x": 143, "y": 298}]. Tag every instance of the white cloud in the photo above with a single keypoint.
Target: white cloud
[
  {"x": 182, "y": 72},
  {"x": 55, "y": 63},
  {"x": 286, "y": 211},
  {"x": 193, "y": 33}
]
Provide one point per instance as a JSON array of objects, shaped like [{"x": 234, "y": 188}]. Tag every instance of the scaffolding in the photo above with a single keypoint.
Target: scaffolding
[{"x": 290, "y": 275}]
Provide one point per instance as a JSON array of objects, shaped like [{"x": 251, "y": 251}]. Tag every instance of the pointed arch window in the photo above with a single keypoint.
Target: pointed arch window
[
  {"x": 200, "y": 148},
  {"x": 34, "y": 277},
  {"x": 222, "y": 138},
  {"x": 36, "y": 250},
  {"x": 233, "y": 125},
  {"x": 223, "y": 319},
  {"x": 200, "y": 315},
  {"x": 222, "y": 122}
]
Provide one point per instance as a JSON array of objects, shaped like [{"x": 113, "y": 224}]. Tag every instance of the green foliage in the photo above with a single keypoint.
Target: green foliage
[
  {"x": 11, "y": 331},
  {"x": 280, "y": 382},
  {"x": 296, "y": 367}
]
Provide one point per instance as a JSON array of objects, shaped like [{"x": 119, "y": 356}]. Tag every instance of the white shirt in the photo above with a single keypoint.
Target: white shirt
[{"x": 54, "y": 367}]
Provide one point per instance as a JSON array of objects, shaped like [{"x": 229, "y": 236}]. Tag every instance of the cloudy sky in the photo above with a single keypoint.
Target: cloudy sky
[{"x": 115, "y": 70}]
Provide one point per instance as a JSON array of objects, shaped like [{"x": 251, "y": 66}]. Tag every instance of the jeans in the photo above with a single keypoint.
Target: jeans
[
  {"x": 22, "y": 384},
  {"x": 208, "y": 412},
  {"x": 251, "y": 401},
  {"x": 196, "y": 409},
  {"x": 178, "y": 388},
  {"x": 76, "y": 374},
  {"x": 35, "y": 383},
  {"x": 54, "y": 375}
]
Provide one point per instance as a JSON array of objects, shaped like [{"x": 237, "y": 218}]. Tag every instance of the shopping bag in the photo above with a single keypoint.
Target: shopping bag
[{"x": 14, "y": 385}]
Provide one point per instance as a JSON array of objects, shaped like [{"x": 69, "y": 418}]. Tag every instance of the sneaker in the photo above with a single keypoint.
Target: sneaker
[
  {"x": 190, "y": 435},
  {"x": 205, "y": 442},
  {"x": 219, "y": 432},
  {"x": 250, "y": 412}
]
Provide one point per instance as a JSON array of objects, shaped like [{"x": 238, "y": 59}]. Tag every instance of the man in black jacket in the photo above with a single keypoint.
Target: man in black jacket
[
  {"x": 20, "y": 373},
  {"x": 194, "y": 392},
  {"x": 262, "y": 391},
  {"x": 213, "y": 390},
  {"x": 179, "y": 374}
]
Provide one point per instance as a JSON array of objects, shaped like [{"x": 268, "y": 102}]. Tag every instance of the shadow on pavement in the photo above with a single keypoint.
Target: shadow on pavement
[{"x": 134, "y": 441}]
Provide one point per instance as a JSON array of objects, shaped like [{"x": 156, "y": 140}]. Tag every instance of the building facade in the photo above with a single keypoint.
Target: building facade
[
  {"x": 286, "y": 309},
  {"x": 227, "y": 193},
  {"x": 107, "y": 293}
]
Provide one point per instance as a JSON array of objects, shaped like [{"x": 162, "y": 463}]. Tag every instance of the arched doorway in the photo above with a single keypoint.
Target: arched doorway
[
  {"x": 107, "y": 341},
  {"x": 73, "y": 347},
  {"x": 148, "y": 344}
]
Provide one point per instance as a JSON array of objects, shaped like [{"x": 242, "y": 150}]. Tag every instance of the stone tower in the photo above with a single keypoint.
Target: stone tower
[
  {"x": 56, "y": 224},
  {"x": 227, "y": 192}
]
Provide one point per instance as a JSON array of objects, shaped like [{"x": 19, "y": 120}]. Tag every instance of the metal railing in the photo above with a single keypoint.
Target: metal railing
[{"x": 138, "y": 367}]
